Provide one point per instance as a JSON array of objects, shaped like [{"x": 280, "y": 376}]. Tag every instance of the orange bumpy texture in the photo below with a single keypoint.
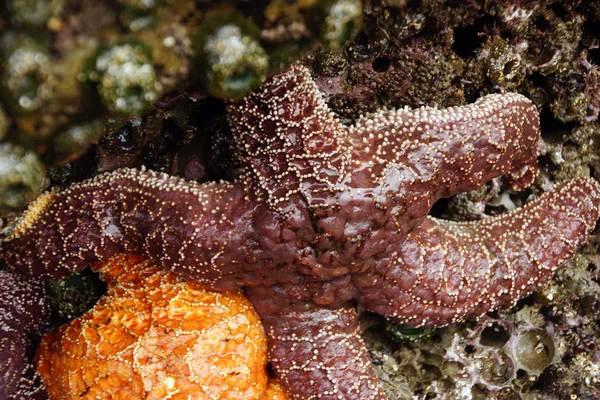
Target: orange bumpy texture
[{"x": 155, "y": 336}]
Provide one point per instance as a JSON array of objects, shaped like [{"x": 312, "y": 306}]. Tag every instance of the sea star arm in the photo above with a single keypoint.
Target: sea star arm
[
  {"x": 289, "y": 142},
  {"x": 180, "y": 225},
  {"x": 316, "y": 353},
  {"x": 446, "y": 272},
  {"x": 23, "y": 313},
  {"x": 367, "y": 186},
  {"x": 403, "y": 161},
  {"x": 450, "y": 150}
]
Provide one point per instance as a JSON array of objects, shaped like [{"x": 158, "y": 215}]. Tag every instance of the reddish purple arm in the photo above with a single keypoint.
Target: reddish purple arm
[
  {"x": 447, "y": 272},
  {"x": 317, "y": 353}
]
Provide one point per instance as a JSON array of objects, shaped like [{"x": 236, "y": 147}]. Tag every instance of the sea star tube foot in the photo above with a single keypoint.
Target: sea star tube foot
[{"x": 319, "y": 217}]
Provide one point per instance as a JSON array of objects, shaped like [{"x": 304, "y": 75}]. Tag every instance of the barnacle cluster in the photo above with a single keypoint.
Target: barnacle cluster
[
  {"x": 545, "y": 348},
  {"x": 546, "y": 49},
  {"x": 501, "y": 356},
  {"x": 66, "y": 65}
]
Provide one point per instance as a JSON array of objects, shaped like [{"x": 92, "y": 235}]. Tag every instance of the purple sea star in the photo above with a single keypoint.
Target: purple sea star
[
  {"x": 324, "y": 215},
  {"x": 23, "y": 310}
]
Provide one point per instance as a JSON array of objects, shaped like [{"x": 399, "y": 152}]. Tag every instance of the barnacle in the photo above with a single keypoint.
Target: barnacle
[
  {"x": 28, "y": 80},
  {"x": 548, "y": 52},
  {"x": 21, "y": 176},
  {"x": 336, "y": 21},
  {"x": 125, "y": 78},
  {"x": 230, "y": 55}
]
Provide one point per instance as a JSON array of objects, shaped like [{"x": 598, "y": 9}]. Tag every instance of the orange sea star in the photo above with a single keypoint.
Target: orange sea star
[{"x": 155, "y": 336}]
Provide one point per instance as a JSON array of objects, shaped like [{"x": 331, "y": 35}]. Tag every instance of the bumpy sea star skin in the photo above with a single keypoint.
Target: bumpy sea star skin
[
  {"x": 321, "y": 217},
  {"x": 318, "y": 352},
  {"x": 23, "y": 310},
  {"x": 448, "y": 271},
  {"x": 155, "y": 336}
]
